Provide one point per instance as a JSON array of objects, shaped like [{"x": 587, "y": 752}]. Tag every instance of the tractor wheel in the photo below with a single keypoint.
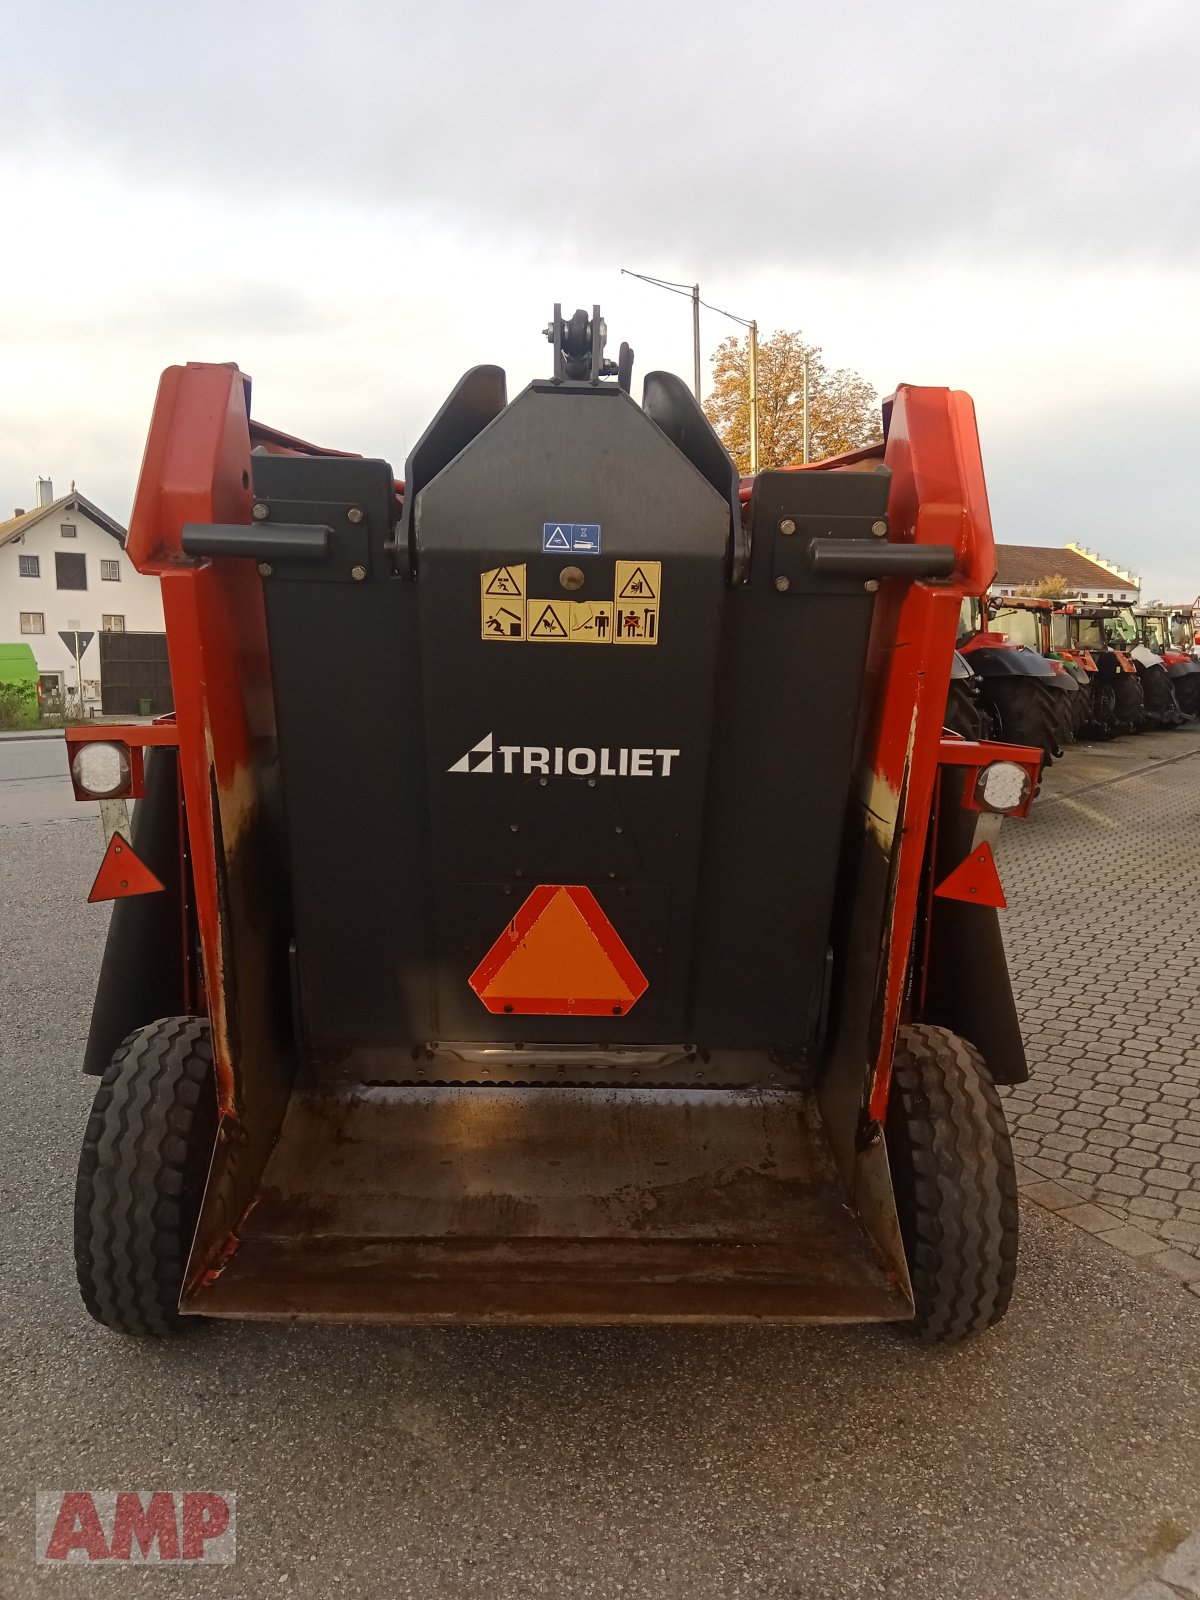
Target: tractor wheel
[
  {"x": 1187, "y": 693},
  {"x": 1083, "y": 710},
  {"x": 955, "y": 1183},
  {"x": 1131, "y": 703},
  {"x": 964, "y": 713},
  {"x": 1158, "y": 693},
  {"x": 1102, "y": 713},
  {"x": 1064, "y": 716},
  {"x": 1026, "y": 713},
  {"x": 142, "y": 1172}
]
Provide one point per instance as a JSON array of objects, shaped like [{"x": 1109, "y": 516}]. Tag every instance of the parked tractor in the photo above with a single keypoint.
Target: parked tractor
[
  {"x": 1157, "y": 641},
  {"x": 582, "y": 965},
  {"x": 1082, "y": 632},
  {"x": 1026, "y": 621},
  {"x": 1019, "y": 688}
]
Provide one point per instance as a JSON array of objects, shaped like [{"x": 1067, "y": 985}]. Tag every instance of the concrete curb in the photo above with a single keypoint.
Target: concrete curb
[
  {"x": 1076, "y": 1205},
  {"x": 32, "y": 733},
  {"x": 1176, "y": 1578}
]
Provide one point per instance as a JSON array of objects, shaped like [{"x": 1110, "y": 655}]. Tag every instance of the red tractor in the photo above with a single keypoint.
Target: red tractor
[{"x": 506, "y": 931}]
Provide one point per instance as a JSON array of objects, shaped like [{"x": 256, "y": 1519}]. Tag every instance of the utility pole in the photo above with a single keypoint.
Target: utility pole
[
  {"x": 696, "y": 339},
  {"x": 754, "y": 397},
  {"x": 693, "y": 293}
]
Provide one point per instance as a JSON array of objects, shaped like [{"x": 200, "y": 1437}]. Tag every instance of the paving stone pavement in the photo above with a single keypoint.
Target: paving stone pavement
[
  {"x": 1177, "y": 1578},
  {"x": 1103, "y": 940}
]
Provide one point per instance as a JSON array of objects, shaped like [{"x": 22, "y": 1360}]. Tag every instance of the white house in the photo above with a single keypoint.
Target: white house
[{"x": 63, "y": 569}]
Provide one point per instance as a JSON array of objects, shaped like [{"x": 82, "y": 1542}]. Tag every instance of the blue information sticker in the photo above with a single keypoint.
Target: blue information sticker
[{"x": 571, "y": 538}]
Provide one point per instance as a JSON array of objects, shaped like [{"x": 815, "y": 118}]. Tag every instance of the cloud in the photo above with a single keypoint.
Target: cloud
[
  {"x": 780, "y": 132},
  {"x": 358, "y": 202}
]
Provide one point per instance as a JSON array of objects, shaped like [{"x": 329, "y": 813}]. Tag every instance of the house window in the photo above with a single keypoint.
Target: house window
[
  {"x": 110, "y": 571},
  {"x": 70, "y": 570},
  {"x": 69, "y": 531},
  {"x": 30, "y": 567},
  {"x": 33, "y": 622},
  {"x": 111, "y": 623}
]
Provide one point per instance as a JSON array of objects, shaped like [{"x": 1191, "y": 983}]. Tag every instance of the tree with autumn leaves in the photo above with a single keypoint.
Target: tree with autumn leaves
[{"x": 842, "y": 406}]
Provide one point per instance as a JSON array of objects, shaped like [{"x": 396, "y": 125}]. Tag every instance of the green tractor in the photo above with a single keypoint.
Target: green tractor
[{"x": 1170, "y": 674}]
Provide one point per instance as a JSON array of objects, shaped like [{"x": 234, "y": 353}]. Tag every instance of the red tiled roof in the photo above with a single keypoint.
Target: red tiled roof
[{"x": 1020, "y": 565}]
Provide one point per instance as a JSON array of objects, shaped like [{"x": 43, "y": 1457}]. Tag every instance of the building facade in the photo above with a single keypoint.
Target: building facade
[
  {"x": 1089, "y": 576},
  {"x": 63, "y": 569}
]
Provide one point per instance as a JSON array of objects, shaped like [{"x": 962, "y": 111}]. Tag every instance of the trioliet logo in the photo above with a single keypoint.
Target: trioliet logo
[{"x": 557, "y": 761}]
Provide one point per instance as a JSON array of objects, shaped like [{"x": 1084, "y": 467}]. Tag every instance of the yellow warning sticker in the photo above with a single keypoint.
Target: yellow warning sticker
[
  {"x": 630, "y": 617},
  {"x": 591, "y": 621},
  {"x": 637, "y": 592},
  {"x": 638, "y": 580},
  {"x": 549, "y": 620},
  {"x": 502, "y": 603}
]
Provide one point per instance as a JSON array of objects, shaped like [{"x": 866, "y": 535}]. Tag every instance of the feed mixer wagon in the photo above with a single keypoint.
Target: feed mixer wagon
[{"x": 554, "y": 898}]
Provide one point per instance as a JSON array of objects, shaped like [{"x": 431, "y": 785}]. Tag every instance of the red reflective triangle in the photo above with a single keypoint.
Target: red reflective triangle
[
  {"x": 975, "y": 880},
  {"x": 559, "y": 956},
  {"x": 122, "y": 873}
]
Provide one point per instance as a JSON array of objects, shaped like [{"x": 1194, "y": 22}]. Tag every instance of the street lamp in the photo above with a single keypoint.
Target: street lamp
[{"x": 693, "y": 293}]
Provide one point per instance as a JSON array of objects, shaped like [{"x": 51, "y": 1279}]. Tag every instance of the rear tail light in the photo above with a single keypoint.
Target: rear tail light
[
  {"x": 1002, "y": 786},
  {"x": 102, "y": 770}
]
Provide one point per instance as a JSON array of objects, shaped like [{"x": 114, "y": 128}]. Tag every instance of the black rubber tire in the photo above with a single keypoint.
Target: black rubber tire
[
  {"x": 1158, "y": 694},
  {"x": 1131, "y": 704},
  {"x": 955, "y": 1184},
  {"x": 142, "y": 1170},
  {"x": 1102, "y": 716},
  {"x": 1026, "y": 712},
  {"x": 1064, "y": 715},
  {"x": 1187, "y": 693},
  {"x": 964, "y": 713}
]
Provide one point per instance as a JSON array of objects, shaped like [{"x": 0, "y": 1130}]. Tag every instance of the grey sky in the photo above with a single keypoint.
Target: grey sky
[{"x": 356, "y": 201}]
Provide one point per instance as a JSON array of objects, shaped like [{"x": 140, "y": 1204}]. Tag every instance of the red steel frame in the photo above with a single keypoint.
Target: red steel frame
[{"x": 197, "y": 470}]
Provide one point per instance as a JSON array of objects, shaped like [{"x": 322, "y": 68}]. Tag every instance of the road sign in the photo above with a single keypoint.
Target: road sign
[
  {"x": 76, "y": 642},
  {"x": 560, "y": 956}
]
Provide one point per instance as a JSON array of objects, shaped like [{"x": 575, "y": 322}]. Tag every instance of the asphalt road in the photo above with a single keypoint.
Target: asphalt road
[
  {"x": 1059, "y": 1458},
  {"x": 34, "y": 786}
]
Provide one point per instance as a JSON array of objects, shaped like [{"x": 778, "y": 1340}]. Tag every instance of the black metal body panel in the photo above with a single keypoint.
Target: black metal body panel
[
  {"x": 717, "y": 868},
  {"x": 589, "y": 455},
  {"x": 788, "y": 701},
  {"x": 345, "y": 668},
  {"x": 141, "y": 975},
  {"x": 967, "y": 983}
]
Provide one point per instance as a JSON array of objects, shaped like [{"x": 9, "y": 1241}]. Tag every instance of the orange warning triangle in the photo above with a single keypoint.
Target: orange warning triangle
[
  {"x": 559, "y": 956},
  {"x": 122, "y": 873},
  {"x": 975, "y": 880}
]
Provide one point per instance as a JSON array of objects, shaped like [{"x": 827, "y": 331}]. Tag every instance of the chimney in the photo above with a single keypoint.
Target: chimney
[{"x": 45, "y": 492}]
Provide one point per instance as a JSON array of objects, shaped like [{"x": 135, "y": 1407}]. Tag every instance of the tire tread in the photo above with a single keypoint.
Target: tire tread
[
  {"x": 141, "y": 1174},
  {"x": 955, "y": 1183}
]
